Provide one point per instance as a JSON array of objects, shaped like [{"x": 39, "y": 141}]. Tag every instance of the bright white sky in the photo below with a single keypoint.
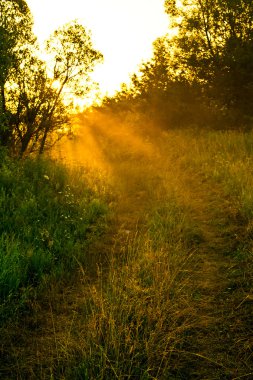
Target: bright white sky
[{"x": 122, "y": 30}]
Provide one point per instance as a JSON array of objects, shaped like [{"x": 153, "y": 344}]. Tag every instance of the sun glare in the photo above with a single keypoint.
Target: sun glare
[
  {"x": 123, "y": 30},
  {"x": 56, "y": 84}
]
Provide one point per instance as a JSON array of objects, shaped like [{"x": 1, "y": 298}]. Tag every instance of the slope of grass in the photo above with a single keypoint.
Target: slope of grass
[
  {"x": 49, "y": 216},
  {"x": 227, "y": 158}
]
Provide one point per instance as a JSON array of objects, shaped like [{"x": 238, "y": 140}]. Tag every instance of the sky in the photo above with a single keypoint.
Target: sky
[{"x": 122, "y": 30}]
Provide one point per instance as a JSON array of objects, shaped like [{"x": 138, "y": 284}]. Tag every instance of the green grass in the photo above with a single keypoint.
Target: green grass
[{"x": 49, "y": 215}]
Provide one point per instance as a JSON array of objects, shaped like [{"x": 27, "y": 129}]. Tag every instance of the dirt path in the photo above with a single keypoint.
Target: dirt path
[{"x": 212, "y": 351}]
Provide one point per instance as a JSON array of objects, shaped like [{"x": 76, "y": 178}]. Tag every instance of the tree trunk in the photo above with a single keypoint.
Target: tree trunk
[{"x": 4, "y": 128}]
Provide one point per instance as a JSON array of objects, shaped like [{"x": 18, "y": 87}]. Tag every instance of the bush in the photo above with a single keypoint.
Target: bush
[{"x": 48, "y": 218}]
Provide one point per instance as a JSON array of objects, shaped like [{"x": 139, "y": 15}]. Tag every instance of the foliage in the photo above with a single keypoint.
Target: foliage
[
  {"x": 214, "y": 46},
  {"x": 48, "y": 219},
  {"x": 70, "y": 48},
  {"x": 160, "y": 93},
  {"x": 34, "y": 111},
  {"x": 15, "y": 31},
  {"x": 29, "y": 97},
  {"x": 200, "y": 72}
]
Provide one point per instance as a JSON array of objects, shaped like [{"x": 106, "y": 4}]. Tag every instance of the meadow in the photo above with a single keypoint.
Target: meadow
[{"x": 139, "y": 267}]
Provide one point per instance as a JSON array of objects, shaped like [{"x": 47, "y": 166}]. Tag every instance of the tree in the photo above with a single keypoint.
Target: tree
[
  {"x": 158, "y": 92},
  {"x": 29, "y": 99},
  {"x": 15, "y": 32},
  {"x": 73, "y": 59},
  {"x": 33, "y": 109},
  {"x": 214, "y": 46}
]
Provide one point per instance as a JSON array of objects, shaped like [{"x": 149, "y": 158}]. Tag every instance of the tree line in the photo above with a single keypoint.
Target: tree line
[
  {"x": 33, "y": 112},
  {"x": 202, "y": 74}
]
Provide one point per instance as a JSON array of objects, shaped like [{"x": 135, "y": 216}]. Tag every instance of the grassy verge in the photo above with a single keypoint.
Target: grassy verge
[
  {"x": 226, "y": 159},
  {"x": 49, "y": 216}
]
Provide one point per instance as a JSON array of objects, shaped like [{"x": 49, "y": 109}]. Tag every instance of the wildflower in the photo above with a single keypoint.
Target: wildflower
[{"x": 46, "y": 177}]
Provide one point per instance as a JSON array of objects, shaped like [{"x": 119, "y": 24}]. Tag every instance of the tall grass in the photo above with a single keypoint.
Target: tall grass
[
  {"x": 49, "y": 215},
  {"x": 227, "y": 158},
  {"x": 138, "y": 316},
  {"x": 135, "y": 319}
]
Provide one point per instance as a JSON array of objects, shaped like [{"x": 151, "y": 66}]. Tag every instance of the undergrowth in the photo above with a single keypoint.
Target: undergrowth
[{"x": 49, "y": 216}]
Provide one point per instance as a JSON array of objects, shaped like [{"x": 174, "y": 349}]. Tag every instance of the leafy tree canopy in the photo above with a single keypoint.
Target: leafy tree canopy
[
  {"x": 214, "y": 46},
  {"x": 32, "y": 108},
  {"x": 73, "y": 55}
]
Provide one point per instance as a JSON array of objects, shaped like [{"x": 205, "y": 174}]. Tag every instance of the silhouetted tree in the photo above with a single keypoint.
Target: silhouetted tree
[
  {"x": 214, "y": 46},
  {"x": 29, "y": 99},
  {"x": 72, "y": 59},
  {"x": 33, "y": 103},
  {"x": 160, "y": 93}
]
